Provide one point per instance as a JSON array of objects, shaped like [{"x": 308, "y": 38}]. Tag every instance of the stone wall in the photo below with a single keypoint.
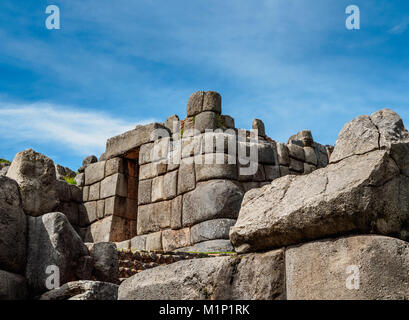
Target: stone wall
[{"x": 178, "y": 186}]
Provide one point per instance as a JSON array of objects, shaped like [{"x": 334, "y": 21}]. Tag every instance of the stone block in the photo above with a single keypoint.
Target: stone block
[
  {"x": 170, "y": 184},
  {"x": 212, "y": 102},
  {"x": 219, "y": 142},
  {"x": 211, "y": 200},
  {"x": 138, "y": 243},
  {"x": 154, "y": 241},
  {"x": 308, "y": 168},
  {"x": 158, "y": 192},
  {"x": 258, "y": 125},
  {"x": 296, "y": 152},
  {"x": 173, "y": 239},
  {"x": 367, "y": 267},
  {"x": 94, "y": 172},
  {"x": 91, "y": 213},
  {"x": 206, "y": 120},
  {"x": 94, "y": 193},
  {"x": 114, "y": 165},
  {"x": 284, "y": 171},
  {"x": 272, "y": 172},
  {"x": 100, "y": 208},
  {"x": 211, "y": 230},
  {"x": 80, "y": 179},
  {"x": 145, "y": 153},
  {"x": 154, "y": 217},
  {"x": 228, "y": 122},
  {"x": 115, "y": 185},
  {"x": 144, "y": 192},
  {"x": 260, "y": 276},
  {"x": 215, "y": 166},
  {"x": 186, "y": 176},
  {"x": 283, "y": 154},
  {"x": 85, "y": 193},
  {"x": 296, "y": 165},
  {"x": 123, "y": 245},
  {"x": 310, "y": 156},
  {"x": 195, "y": 103},
  {"x": 110, "y": 229},
  {"x": 257, "y": 177},
  {"x": 160, "y": 149},
  {"x": 209, "y": 246},
  {"x": 131, "y": 140},
  {"x": 151, "y": 170},
  {"x": 173, "y": 124},
  {"x": 176, "y": 213},
  {"x": 191, "y": 146},
  {"x": 267, "y": 153}
]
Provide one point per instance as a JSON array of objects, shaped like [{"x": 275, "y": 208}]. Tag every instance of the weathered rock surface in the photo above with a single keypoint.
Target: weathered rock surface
[
  {"x": 362, "y": 191},
  {"x": 362, "y": 194},
  {"x": 53, "y": 241},
  {"x": 12, "y": 286},
  {"x": 211, "y": 200},
  {"x": 198, "y": 279},
  {"x": 209, "y": 246},
  {"x": 35, "y": 174},
  {"x": 358, "y": 267},
  {"x": 83, "y": 290},
  {"x": 13, "y": 227},
  {"x": 62, "y": 172},
  {"x": 105, "y": 258},
  {"x": 255, "y": 276},
  {"x": 260, "y": 276}
]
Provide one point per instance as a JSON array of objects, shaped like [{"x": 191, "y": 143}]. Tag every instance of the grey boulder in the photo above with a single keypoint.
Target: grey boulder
[
  {"x": 83, "y": 290},
  {"x": 105, "y": 257},
  {"x": 52, "y": 241},
  {"x": 13, "y": 227},
  {"x": 35, "y": 174}
]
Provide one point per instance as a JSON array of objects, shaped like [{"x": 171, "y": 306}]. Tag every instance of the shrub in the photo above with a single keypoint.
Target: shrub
[{"x": 4, "y": 161}]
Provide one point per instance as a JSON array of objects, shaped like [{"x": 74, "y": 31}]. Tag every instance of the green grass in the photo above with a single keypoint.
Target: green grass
[
  {"x": 70, "y": 180},
  {"x": 4, "y": 161}
]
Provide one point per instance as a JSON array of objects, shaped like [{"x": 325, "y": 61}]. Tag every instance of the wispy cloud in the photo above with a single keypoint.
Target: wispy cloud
[
  {"x": 401, "y": 27},
  {"x": 83, "y": 132}
]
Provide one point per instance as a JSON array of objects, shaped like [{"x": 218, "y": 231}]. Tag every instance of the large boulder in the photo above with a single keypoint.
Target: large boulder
[
  {"x": 197, "y": 279},
  {"x": 106, "y": 263},
  {"x": 254, "y": 276},
  {"x": 12, "y": 286},
  {"x": 83, "y": 290},
  {"x": 358, "y": 267},
  {"x": 211, "y": 200},
  {"x": 13, "y": 227},
  {"x": 364, "y": 191},
  {"x": 35, "y": 174},
  {"x": 52, "y": 241}
]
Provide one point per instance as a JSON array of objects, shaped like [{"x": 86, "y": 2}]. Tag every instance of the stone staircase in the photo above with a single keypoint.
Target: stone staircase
[{"x": 132, "y": 262}]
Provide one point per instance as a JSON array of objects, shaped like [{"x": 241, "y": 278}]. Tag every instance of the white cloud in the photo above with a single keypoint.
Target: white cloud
[
  {"x": 84, "y": 132},
  {"x": 400, "y": 28}
]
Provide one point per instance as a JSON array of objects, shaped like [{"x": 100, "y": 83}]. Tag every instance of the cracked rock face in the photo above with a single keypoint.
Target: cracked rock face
[{"x": 364, "y": 190}]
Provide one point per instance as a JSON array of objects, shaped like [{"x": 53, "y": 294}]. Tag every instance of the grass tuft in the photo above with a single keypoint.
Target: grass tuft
[
  {"x": 70, "y": 180},
  {"x": 4, "y": 161}
]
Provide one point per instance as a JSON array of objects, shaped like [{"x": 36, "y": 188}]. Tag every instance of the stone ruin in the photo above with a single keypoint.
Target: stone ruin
[
  {"x": 153, "y": 189},
  {"x": 151, "y": 220}
]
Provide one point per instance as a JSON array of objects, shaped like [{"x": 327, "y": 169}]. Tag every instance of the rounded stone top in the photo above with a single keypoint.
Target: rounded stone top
[
  {"x": 258, "y": 125},
  {"x": 204, "y": 101}
]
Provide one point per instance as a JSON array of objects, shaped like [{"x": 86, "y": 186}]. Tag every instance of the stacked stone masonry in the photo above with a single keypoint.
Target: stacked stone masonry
[{"x": 179, "y": 185}]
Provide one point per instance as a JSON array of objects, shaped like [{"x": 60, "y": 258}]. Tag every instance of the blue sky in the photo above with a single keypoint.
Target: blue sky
[{"x": 115, "y": 64}]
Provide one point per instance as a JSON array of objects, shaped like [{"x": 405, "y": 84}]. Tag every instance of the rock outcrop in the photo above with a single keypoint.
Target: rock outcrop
[
  {"x": 359, "y": 268},
  {"x": 363, "y": 190},
  {"x": 13, "y": 227},
  {"x": 83, "y": 290},
  {"x": 52, "y": 241},
  {"x": 35, "y": 174}
]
